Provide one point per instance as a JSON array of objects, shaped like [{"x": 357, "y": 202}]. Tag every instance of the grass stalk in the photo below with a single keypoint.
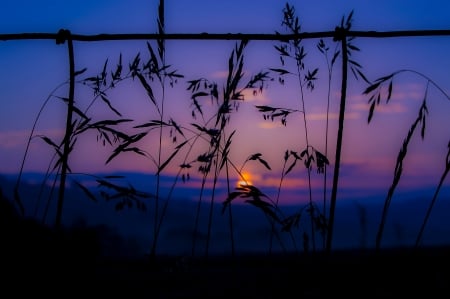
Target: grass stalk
[
  {"x": 433, "y": 201},
  {"x": 277, "y": 200},
  {"x": 211, "y": 207},
  {"x": 399, "y": 170},
  {"x": 324, "y": 50},
  {"x": 68, "y": 133},
  {"x": 161, "y": 48},
  {"x": 197, "y": 215},
  {"x": 230, "y": 212},
  {"x": 27, "y": 148},
  {"x": 341, "y": 35},
  {"x": 311, "y": 207}
]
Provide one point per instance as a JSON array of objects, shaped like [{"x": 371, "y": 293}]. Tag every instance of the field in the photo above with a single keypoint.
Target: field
[
  {"x": 213, "y": 160},
  {"x": 399, "y": 273}
]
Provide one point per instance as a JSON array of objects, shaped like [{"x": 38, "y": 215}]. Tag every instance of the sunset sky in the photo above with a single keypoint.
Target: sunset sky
[{"x": 31, "y": 70}]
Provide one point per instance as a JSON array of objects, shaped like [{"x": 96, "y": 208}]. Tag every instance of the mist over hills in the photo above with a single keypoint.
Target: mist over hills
[{"x": 130, "y": 231}]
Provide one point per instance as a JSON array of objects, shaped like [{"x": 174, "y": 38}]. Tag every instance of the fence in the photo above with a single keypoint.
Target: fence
[{"x": 342, "y": 34}]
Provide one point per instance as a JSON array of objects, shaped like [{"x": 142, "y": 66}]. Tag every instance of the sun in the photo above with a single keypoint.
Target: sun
[{"x": 244, "y": 179}]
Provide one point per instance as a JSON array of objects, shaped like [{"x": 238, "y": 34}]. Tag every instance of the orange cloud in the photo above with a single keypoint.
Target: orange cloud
[
  {"x": 334, "y": 116},
  {"x": 392, "y": 107},
  {"x": 290, "y": 182},
  {"x": 402, "y": 94},
  {"x": 260, "y": 97},
  {"x": 219, "y": 75}
]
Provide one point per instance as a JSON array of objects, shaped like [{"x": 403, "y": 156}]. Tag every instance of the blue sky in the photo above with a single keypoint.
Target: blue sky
[
  {"x": 193, "y": 16},
  {"x": 32, "y": 69}
]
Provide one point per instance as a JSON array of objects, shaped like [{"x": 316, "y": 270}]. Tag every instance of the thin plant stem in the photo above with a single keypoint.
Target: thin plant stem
[
  {"x": 429, "y": 80},
  {"x": 230, "y": 218},
  {"x": 402, "y": 153},
  {"x": 158, "y": 176},
  {"x": 47, "y": 176},
  {"x": 197, "y": 215},
  {"x": 211, "y": 208},
  {"x": 330, "y": 75},
  {"x": 398, "y": 172},
  {"x": 230, "y": 212},
  {"x": 198, "y": 210},
  {"x": 311, "y": 208},
  {"x": 338, "y": 142},
  {"x": 433, "y": 201},
  {"x": 47, "y": 206},
  {"x": 22, "y": 165},
  {"x": 272, "y": 222}
]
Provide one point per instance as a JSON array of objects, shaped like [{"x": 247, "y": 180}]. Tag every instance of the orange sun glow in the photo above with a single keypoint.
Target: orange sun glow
[{"x": 245, "y": 179}]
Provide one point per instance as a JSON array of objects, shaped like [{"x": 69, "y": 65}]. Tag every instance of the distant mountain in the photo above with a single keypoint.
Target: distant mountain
[{"x": 356, "y": 219}]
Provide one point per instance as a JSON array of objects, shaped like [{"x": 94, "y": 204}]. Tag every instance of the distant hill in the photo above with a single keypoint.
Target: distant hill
[{"x": 130, "y": 230}]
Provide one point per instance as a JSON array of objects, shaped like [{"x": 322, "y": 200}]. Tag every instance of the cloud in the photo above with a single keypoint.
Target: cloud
[
  {"x": 10, "y": 139},
  {"x": 13, "y": 139},
  {"x": 402, "y": 94},
  {"x": 219, "y": 75},
  {"x": 331, "y": 116},
  {"x": 270, "y": 125},
  {"x": 13, "y": 145},
  {"x": 392, "y": 107},
  {"x": 289, "y": 182},
  {"x": 260, "y": 97}
]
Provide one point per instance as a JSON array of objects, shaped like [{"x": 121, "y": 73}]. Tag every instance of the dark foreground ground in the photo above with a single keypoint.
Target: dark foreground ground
[
  {"x": 36, "y": 261},
  {"x": 398, "y": 273}
]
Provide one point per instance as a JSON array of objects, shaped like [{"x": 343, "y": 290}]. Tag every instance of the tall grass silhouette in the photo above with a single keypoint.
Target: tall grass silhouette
[
  {"x": 205, "y": 141},
  {"x": 216, "y": 158},
  {"x": 78, "y": 122},
  {"x": 377, "y": 93}
]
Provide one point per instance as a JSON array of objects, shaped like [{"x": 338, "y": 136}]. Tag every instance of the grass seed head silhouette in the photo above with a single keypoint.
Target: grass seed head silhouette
[{"x": 210, "y": 130}]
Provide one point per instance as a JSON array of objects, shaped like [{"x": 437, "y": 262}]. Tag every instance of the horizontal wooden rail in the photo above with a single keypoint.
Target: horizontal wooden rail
[{"x": 222, "y": 36}]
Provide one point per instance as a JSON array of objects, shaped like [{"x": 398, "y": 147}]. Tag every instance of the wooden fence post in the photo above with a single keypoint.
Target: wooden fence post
[{"x": 64, "y": 35}]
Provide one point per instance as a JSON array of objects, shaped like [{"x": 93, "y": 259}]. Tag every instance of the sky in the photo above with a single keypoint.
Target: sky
[{"x": 31, "y": 70}]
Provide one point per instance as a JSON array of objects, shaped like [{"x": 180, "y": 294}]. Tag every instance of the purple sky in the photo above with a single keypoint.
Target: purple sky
[{"x": 30, "y": 70}]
